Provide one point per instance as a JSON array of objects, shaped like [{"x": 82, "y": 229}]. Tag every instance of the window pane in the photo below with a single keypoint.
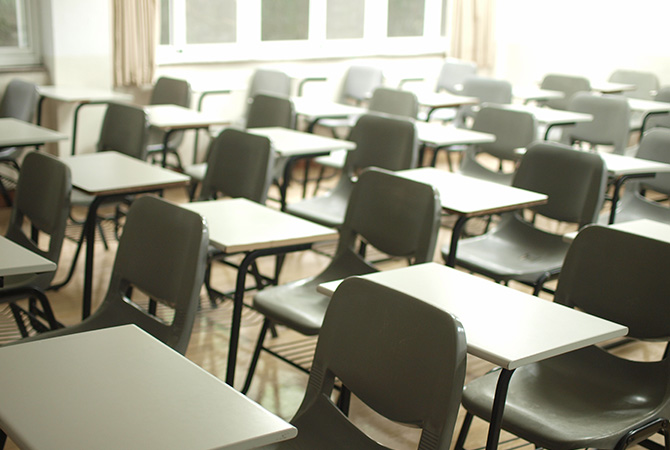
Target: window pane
[
  {"x": 211, "y": 21},
  {"x": 165, "y": 22},
  {"x": 345, "y": 19},
  {"x": 405, "y": 18},
  {"x": 9, "y": 27},
  {"x": 283, "y": 20}
]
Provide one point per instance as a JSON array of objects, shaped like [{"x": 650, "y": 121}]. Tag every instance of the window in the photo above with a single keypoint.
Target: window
[
  {"x": 232, "y": 30},
  {"x": 18, "y": 41}
]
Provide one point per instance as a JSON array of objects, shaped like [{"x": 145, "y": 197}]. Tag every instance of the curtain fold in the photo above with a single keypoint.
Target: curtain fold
[
  {"x": 472, "y": 32},
  {"x": 135, "y": 41}
]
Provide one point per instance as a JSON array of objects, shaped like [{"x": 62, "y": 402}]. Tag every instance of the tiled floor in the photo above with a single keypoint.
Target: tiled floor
[{"x": 277, "y": 386}]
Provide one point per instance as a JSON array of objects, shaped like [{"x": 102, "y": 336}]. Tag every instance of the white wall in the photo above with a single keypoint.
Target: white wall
[{"x": 587, "y": 37}]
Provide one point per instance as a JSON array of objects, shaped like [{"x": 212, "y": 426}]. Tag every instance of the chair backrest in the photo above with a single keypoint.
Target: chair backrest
[
  {"x": 268, "y": 81},
  {"x": 488, "y": 90},
  {"x": 125, "y": 129},
  {"x": 171, "y": 91},
  {"x": 359, "y": 83},
  {"x": 42, "y": 199},
  {"x": 239, "y": 165},
  {"x": 422, "y": 366},
  {"x": 513, "y": 130},
  {"x": 573, "y": 180},
  {"x": 621, "y": 277},
  {"x": 453, "y": 74},
  {"x": 382, "y": 141},
  {"x": 610, "y": 124},
  {"x": 661, "y": 120},
  {"x": 267, "y": 110},
  {"x": 568, "y": 84},
  {"x": 398, "y": 216},
  {"x": 19, "y": 100},
  {"x": 162, "y": 253},
  {"x": 394, "y": 101},
  {"x": 646, "y": 83}
]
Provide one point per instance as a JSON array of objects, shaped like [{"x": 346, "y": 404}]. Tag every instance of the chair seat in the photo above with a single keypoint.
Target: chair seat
[
  {"x": 327, "y": 210},
  {"x": 335, "y": 160},
  {"x": 514, "y": 250},
  {"x": 79, "y": 198},
  {"x": 634, "y": 206},
  {"x": 591, "y": 396}
]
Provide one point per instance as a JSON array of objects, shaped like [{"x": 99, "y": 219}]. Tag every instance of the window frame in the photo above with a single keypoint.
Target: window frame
[
  {"x": 27, "y": 53},
  {"x": 249, "y": 46}
]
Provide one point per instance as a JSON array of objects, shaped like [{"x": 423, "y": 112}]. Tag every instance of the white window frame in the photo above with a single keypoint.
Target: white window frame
[
  {"x": 249, "y": 46},
  {"x": 28, "y": 52}
]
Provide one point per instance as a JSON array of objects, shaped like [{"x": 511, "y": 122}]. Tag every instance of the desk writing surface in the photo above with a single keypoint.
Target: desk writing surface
[
  {"x": 627, "y": 165},
  {"x": 464, "y": 195},
  {"x": 105, "y": 173},
  {"x": 609, "y": 87},
  {"x": 444, "y": 99},
  {"x": 17, "y": 133},
  {"x": 643, "y": 227},
  {"x": 242, "y": 225},
  {"x": 504, "y": 326},
  {"x": 324, "y": 109},
  {"x": 81, "y": 94},
  {"x": 18, "y": 260},
  {"x": 549, "y": 116},
  {"x": 176, "y": 117},
  {"x": 530, "y": 93},
  {"x": 648, "y": 106},
  {"x": 121, "y": 388},
  {"x": 436, "y": 134},
  {"x": 288, "y": 142}
]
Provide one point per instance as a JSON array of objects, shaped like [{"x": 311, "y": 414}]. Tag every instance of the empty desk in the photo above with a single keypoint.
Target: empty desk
[
  {"x": 551, "y": 117},
  {"x": 643, "y": 227},
  {"x": 240, "y": 225},
  {"x": 121, "y": 388}
]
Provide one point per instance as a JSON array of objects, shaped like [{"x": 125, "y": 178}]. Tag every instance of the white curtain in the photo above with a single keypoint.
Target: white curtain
[
  {"x": 135, "y": 40},
  {"x": 472, "y": 32}
]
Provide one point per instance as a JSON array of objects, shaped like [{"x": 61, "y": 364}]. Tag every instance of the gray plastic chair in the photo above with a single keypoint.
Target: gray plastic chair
[
  {"x": 646, "y": 83},
  {"x": 162, "y": 254},
  {"x": 488, "y": 91},
  {"x": 125, "y": 129},
  {"x": 590, "y": 398},
  {"x": 269, "y": 81},
  {"x": 240, "y": 165},
  {"x": 611, "y": 118},
  {"x": 453, "y": 74},
  {"x": 384, "y": 100},
  {"x": 516, "y": 249},
  {"x": 660, "y": 120},
  {"x": 43, "y": 201},
  {"x": 265, "y": 110},
  {"x": 18, "y": 102},
  {"x": 168, "y": 91},
  {"x": 358, "y": 86},
  {"x": 568, "y": 84},
  {"x": 397, "y": 216},
  {"x": 423, "y": 367},
  {"x": 513, "y": 130},
  {"x": 655, "y": 146},
  {"x": 381, "y": 141}
]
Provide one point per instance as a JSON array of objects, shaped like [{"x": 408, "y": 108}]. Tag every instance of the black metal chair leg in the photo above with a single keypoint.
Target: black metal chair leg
[
  {"x": 256, "y": 355},
  {"x": 463, "y": 434}
]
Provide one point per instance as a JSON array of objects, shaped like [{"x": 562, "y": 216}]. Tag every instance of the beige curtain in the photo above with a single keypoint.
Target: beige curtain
[
  {"x": 135, "y": 40},
  {"x": 472, "y": 32}
]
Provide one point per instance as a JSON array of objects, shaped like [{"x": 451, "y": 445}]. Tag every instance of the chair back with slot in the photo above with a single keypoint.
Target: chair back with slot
[
  {"x": 267, "y": 110},
  {"x": 359, "y": 82},
  {"x": 239, "y": 165},
  {"x": 395, "y": 102},
  {"x": 568, "y": 84},
  {"x": 513, "y": 130},
  {"x": 574, "y": 181},
  {"x": 610, "y": 124},
  {"x": 19, "y": 100},
  {"x": 161, "y": 254},
  {"x": 423, "y": 366},
  {"x": 453, "y": 74},
  {"x": 42, "y": 200},
  {"x": 125, "y": 129}
]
